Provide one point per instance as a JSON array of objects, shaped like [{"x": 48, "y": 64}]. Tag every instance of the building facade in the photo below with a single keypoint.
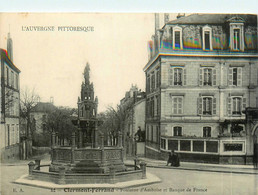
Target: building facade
[
  {"x": 39, "y": 115},
  {"x": 134, "y": 104},
  {"x": 201, "y": 76},
  {"x": 10, "y": 104}
]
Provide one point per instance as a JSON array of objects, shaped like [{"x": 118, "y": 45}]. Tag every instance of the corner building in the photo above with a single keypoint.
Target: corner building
[
  {"x": 9, "y": 105},
  {"x": 201, "y": 76}
]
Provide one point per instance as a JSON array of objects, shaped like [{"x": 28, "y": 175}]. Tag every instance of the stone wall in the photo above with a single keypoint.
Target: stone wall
[{"x": 11, "y": 153}]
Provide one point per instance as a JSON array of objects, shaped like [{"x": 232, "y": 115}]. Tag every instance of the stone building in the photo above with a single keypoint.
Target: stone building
[
  {"x": 134, "y": 103},
  {"x": 10, "y": 103},
  {"x": 200, "y": 78},
  {"x": 38, "y": 116}
]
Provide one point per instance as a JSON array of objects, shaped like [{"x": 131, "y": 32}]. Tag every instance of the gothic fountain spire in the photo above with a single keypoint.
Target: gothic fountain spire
[{"x": 87, "y": 73}]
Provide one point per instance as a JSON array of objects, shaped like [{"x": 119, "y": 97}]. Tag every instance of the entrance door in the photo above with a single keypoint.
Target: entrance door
[{"x": 255, "y": 159}]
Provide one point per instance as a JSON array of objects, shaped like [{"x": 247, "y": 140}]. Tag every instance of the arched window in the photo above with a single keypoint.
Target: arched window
[
  {"x": 207, "y": 38},
  {"x": 177, "y": 38}
]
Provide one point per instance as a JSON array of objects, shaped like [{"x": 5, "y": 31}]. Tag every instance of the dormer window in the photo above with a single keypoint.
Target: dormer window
[
  {"x": 207, "y": 38},
  {"x": 236, "y": 39},
  {"x": 236, "y": 25},
  {"x": 177, "y": 38}
]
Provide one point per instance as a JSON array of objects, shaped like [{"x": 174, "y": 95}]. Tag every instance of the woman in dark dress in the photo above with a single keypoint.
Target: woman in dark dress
[{"x": 173, "y": 159}]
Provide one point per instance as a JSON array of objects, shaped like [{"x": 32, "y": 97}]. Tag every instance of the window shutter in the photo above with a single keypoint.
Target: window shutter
[
  {"x": 214, "y": 106},
  {"x": 243, "y": 104},
  {"x": 199, "y": 103},
  {"x": 230, "y": 76},
  {"x": 175, "y": 105},
  {"x": 214, "y": 75},
  {"x": 229, "y": 106},
  {"x": 239, "y": 76},
  {"x": 184, "y": 76},
  {"x": 171, "y": 75},
  {"x": 155, "y": 106},
  {"x": 201, "y": 77},
  {"x": 180, "y": 105}
]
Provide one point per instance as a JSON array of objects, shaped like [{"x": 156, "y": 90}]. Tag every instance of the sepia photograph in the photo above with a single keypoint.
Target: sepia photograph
[{"x": 128, "y": 103}]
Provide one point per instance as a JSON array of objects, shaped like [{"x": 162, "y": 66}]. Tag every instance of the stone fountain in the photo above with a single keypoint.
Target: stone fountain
[{"x": 87, "y": 160}]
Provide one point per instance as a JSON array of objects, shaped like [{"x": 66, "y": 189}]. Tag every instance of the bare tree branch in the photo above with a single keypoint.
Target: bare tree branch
[{"x": 28, "y": 99}]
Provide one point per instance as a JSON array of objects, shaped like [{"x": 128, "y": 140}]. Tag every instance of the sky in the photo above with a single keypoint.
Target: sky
[{"x": 52, "y": 62}]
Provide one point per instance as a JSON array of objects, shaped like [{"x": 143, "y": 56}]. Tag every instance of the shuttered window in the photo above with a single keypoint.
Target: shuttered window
[
  {"x": 235, "y": 76},
  {"x": 206, "y": 105},
  {"x": 207, "y": 77},
  {"x": 177, "y": 76},
  {"x": 177, "y": 103},
  {"x": 236, "y": 105}
]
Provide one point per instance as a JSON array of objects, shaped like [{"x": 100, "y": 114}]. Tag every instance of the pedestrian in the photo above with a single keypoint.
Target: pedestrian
[
  {"x": 173, "y": 159},
  {"x": 138, "y": 134}
]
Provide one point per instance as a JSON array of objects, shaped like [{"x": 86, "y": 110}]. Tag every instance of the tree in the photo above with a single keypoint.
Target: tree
[
  {"x": 28, "y": 99},
  {"x": 60, "y": 122},
  {"x": 119, "y": 116}
]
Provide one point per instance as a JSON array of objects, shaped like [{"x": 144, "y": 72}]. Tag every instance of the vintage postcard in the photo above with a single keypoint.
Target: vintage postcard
[{"x": 129, "y": 103}]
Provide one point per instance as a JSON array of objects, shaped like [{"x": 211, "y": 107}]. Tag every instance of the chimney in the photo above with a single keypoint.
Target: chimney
[
  {"x": 166, "y": 18},
  {"x": 180, "y": 15},
  {"x": 10, "y": 47},
  {"x": 156, "y": 22},
  {"x": 51, "y": 100}
]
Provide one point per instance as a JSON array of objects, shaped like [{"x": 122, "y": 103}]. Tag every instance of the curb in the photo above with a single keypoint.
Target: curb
[
  {"x": 151, "y": 179},
  {"x": 199, "y": 169}
]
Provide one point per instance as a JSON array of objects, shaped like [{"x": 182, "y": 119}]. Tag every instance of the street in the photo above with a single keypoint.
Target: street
[{"x": 173, "y": 182}]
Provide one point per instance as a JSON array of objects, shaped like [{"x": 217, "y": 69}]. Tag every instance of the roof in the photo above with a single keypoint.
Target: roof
[
  {"x": 4, "y": 55},
  {"x": 43, "y": 107},
  {"x": 213, "y": 18}
]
